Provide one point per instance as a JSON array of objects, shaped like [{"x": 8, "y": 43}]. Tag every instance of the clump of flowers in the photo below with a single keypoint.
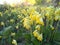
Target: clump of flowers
[{"x": 37, "y": 35}]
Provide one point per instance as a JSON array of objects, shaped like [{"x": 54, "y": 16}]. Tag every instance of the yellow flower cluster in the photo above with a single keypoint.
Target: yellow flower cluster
[
  {"x": 27, "y": 23},
  {"x": 38, "y": 36},
  {"x": 40, "y": 21},
  {"x": 37, "y": 18},
  {"x": 32, "y": 18},
  {"x": 49, "y": 12},
  {"x": 57, "y": 14}
]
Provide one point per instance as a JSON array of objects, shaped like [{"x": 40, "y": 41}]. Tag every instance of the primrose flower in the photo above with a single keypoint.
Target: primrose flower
[
  {"x": 47, "y": 14},
  {"x": 33, "y": 17},
  {"x": 35, "y": 33},
  {"x": 56, "y": 18},
  {"x": 27, "y": 23},
  {"x": 38, "y": 27},
  {"x": 40, "y": 21},
  {"x": 19, "y": 16},
  {"x": 14, "y": 42},
  {"x": 52, "y": 27},
  {"x": 50, "y": 8},
  {"x": 1, "y": 14},
  {"x": 23, "y": 11},
  {"x": 12, "y": 20},
  {"x": 57, "y": 12},
  {"x": 17, "y": 27},
  {"x": 40, "y": 37},
  {"x": 12, "y": 34},
  {"x": 2, "y": 23}
]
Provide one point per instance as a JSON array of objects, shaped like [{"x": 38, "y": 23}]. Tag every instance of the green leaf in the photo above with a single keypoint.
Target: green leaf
[
  {"x": 27, "y": 36},
  {"x": 56, "y": 43},
  {"x": 35, "y": 41},
  {"x": 57, "y": 36}
]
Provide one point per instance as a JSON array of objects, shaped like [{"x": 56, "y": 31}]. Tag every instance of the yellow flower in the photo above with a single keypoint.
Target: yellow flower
[
  {"x": 34, "y": 17},
  {"x": 11, "y": 20},
  {"x": 52, "y": 27},
  {"x": 42, "y": 9},
  {"x": 40, "y": 21},
  {"x": 27, "y": 26},
  {"x": 2, "y": 23},
  {"x": 49, "y": 9},
  {"x": 47, "y": 14},
  {"x": 38, "y": 27},
  {"x": 17, "y": 27},
  {"x": 56, "y": 18},
  {"x": 0, "y": 37},
  {"x": 19, "y": 16},
  {"x": 14, "y": 42},
  {"x": 35, "y": 33},
  {"x": 1, "y": 14},
  {"x": 57, "y": 12},
  {"x": 12, "y": 34},
  {"x": 38, "y": 16},
  {"x": 27, "y": 23},
  {"x": 24, "y": 11},
  {"x": 40, "y": 37}
]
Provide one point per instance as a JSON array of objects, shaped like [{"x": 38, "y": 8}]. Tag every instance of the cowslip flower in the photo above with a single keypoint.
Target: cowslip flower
[
  {"x": 19, "y": 16},
  {"x": 56, "y": 18},
  {"x": 24, "y": 11},
  {"x": 33, "y": 17},
  {"x": 40, "y": 37},
  {"x": 52, "y": 27},
  {"x": 47, "y": 14},
  {"x": 11, "y": 20},
  {"x": 37, "y": 27},
  {"x": 35, "y": 33},
  {"x": 27, "y": 23},
  {"x": 2, "y": 23},
  {"x": 14, "y": 42},
  {"x": 57, "y": 12},
  {"x": 17, "y": 27},
  {"x": 12, "y": 34},
  {"x": 1, "y": 14},
  {"x": 40, "y": 21}
]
